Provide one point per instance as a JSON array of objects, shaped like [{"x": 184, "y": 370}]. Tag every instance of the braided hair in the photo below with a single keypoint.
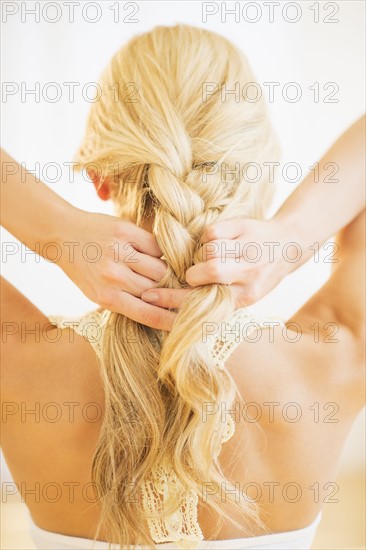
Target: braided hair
[{"x": 177, "y": 155}]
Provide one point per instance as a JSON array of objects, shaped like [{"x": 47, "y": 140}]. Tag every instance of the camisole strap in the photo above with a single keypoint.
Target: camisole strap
[
  {"x": 182, "y": 526},
  {"x": 90, "y": 326},
  {"x": 232, "y": 332}
]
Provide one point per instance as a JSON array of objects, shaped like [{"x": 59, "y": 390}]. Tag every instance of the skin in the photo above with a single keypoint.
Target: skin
[
  {"x": 282, "y": 452},
  {"x": 114, "y": 282},
  {"x": 253, "y": 280},
  {"x": 279, "y": 451},
  {"x": 130, "y": 287}
]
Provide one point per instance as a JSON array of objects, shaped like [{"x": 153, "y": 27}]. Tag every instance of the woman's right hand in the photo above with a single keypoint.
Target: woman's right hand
[{"x": 113, "y": 262}]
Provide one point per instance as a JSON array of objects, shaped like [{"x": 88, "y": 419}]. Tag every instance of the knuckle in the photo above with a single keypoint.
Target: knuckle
[
  {"x": 209, "y": 252},
  {"x": 161, "y": 271},
  {"x": 121, "y": 230},
  {"x": 169, "y": 299},
  {"x": 190, "y": 277},
  {"x": 110, "y": 272},
  {"x": 163, "y": 296},
  {"x": 211, "y": 233},
  {"x": 152, "y": 318},
  {"x": 214, "y": 269},
  {"x": 103, "y": 298}
]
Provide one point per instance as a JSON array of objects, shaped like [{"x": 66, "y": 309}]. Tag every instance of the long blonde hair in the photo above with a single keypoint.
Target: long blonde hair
[{"x": 175, "y": 143}]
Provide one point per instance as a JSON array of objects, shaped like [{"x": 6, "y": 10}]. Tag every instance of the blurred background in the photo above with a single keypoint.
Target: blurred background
[{"x": 51, "y": 57}]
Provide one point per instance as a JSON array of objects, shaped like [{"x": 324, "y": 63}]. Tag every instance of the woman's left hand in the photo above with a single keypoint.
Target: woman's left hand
[{"x": 243, "y": 253}]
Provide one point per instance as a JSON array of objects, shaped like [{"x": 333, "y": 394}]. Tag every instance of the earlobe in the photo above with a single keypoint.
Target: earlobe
[
  {"x": 102, "y": 187},
  {"x": 104, "y": 191}
]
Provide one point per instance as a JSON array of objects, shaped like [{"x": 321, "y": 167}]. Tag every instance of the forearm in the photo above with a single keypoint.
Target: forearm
[
  {"x": 317, "y": 211},
  {"x": 30, "y": 210}
]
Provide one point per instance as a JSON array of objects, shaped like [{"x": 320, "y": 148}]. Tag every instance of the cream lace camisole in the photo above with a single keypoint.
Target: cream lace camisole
[{"x": 180, "y": 529}]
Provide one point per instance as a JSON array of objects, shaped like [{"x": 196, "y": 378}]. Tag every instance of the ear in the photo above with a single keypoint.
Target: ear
[{"x": 103, "y": 187}]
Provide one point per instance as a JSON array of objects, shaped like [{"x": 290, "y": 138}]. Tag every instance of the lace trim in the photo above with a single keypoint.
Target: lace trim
[
  {"x": 233, "y": 331},
  {"x": 90, "y": 326},
  {"x": 182, "y": 526}
]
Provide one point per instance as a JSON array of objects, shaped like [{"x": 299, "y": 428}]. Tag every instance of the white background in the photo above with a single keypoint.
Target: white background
[{"x": 305, "y": 52}]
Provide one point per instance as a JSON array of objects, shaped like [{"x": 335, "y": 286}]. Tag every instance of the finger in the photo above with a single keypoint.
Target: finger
[
  {"x": 227, "y": 229},
  {"x": 215, "y": 271},
  {"x": 137, "y": 310},
  {"x": 166, "y": 297},
  {"x": 120, "y": 277},
  {"x": 221, "y": 248},
  {"x": 142, "y": 240},
  {"x": 146, "y": 265},
  {"x": 136, "y": 284}
]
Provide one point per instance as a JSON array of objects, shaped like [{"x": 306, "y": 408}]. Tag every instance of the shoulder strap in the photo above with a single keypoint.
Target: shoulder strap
[
  {"x": 90, "y": 326},
  {"x": 235, "y": 330},
  {"x": 182, "y": 527},
  {"x": 227, "y": 338}
]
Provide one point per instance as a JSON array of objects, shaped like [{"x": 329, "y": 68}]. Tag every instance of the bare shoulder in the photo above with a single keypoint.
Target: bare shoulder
[
  {"x": 312, "y": 359},
  {"x": 320, "y": 354},
  {"x": 41, "y": 361}
]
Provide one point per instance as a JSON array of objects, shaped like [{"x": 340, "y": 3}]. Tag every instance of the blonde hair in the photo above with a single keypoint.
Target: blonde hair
[{"x": 176, "y": 156}]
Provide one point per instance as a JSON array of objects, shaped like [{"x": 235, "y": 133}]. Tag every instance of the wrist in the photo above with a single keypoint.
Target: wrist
[
  {"x": 66, "y": 225},
  {"x": 61, "y": 223},
  {"x": 294, "y": 246}
]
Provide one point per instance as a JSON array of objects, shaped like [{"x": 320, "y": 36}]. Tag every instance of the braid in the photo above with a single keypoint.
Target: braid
[
  {"x": 171, "y": 146},
  {"x": 181, "y": 214}
]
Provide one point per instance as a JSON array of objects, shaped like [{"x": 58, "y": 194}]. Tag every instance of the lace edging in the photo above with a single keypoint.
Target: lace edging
[
  {"x": 182, "y": 526},
  {"x": 90, "y": 326}
]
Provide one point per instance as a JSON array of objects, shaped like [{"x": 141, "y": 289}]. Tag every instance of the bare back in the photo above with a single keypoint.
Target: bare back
[{"x": 290, "y": 428}]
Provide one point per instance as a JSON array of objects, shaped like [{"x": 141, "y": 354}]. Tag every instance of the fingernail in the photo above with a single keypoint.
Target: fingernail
[{"x": 150, "y": 297}]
